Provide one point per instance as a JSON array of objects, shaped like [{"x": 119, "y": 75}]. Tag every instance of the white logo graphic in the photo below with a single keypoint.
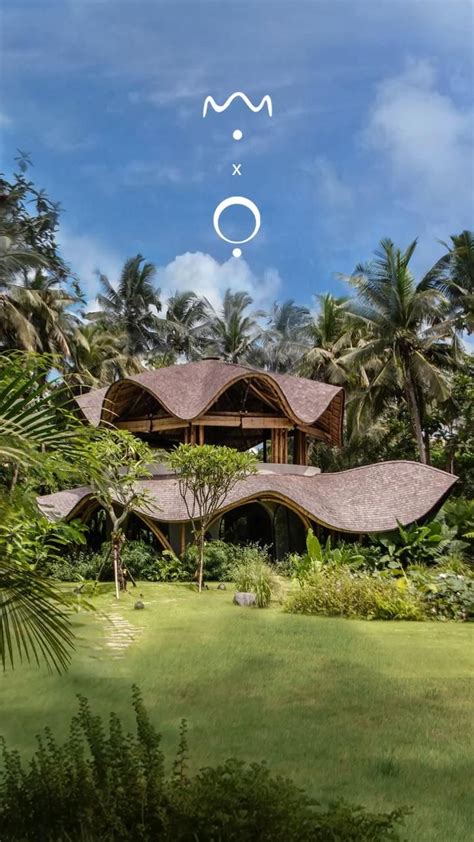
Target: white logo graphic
[
  {"x": 266, "y": 100},
  {"x": 236, "y": 170},
  {"x": 227, "y": 203}
]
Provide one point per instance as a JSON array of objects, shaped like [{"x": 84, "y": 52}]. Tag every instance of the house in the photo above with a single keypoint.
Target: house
[{"x": 214, "y": 402}]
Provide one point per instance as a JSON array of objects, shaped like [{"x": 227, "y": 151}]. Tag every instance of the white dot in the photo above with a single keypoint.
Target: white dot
[
  {"x": 236, "y": 252},
  {"x": 237, "y": 134}
]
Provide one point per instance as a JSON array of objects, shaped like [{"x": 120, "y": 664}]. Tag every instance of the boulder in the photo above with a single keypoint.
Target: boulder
[
  {"x": 244, "y": 599},
  {"x": 221, "y": 587},
  {"x": 139, "y": 605}
]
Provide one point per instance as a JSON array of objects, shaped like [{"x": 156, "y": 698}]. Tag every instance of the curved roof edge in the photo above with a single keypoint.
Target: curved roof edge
[
  {"x": 187, "y": 391},
  {"x": 369, "y": 499}
]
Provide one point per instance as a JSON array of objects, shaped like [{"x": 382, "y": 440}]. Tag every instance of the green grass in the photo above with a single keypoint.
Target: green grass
[{"x": 379, "y": 713}]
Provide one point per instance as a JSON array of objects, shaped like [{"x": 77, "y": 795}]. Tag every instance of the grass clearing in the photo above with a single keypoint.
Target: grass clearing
[{"x": 379, "y": 713}]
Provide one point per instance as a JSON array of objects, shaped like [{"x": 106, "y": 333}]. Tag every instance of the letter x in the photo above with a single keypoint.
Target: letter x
[{"x": 236, "y": 169}]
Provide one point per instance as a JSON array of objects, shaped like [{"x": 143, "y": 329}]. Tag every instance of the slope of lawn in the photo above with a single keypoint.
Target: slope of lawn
[{"x": 377, "y": 713}]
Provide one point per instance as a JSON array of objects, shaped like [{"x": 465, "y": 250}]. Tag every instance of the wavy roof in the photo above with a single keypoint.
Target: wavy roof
[
  {"x": 187, "y": 391},
  {"x": 368, "y": 499}
]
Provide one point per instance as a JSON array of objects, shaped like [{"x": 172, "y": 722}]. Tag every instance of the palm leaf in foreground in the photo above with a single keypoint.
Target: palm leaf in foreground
[{"x": 34, "y": 622}]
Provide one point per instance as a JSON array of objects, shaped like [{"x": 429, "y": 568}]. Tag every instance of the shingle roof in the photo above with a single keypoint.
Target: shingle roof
[
  {"x": 186, "y": 392},
  {"x": 368, "y": 499}
]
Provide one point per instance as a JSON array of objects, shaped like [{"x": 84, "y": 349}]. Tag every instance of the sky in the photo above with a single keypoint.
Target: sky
[{"x": 371, "y": 134}]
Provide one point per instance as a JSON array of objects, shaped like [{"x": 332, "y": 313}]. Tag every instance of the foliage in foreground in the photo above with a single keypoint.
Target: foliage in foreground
[{"x": 111, "y": 786}]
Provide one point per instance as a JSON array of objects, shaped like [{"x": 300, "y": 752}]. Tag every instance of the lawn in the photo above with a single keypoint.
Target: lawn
[{"x": 377, "y": 712}]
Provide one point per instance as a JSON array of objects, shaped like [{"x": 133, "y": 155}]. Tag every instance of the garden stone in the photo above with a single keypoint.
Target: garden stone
[
  {"x": 221, "y": 587},
  {"x": 138, "y": 605},
  {"x": 244, "y": 599}
]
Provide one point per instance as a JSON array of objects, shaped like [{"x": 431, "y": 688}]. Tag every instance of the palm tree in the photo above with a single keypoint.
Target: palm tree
[
  {"x": 99, "y": 359},
  {"x": 283, "y": 341},
  {"x": 46, "y": 307},
  {"x": 184, "y": 328},
  {"x": 233, "y": 334},
  {"x": 34, "y": 621},
  {"x": 454, "y": 276},
  {"x": 408, "y": 344},
  {"x": 131, "y": 307},
  {"x": 330, "y": 334}
]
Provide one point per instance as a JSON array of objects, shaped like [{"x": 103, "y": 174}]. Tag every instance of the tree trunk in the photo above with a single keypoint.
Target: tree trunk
[
  {"x": 118, "y": 572},
  {"x": 201, "y": 558},
  {"x": 415, "y": 413},
  {"x": 427, "y": 444}
]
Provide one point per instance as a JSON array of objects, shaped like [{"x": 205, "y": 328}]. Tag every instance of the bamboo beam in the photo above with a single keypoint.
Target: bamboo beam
[
  {"x": 192, "y": 436},
  {"x": 151, "y": 425},
  {"x": 201, "y": 434},
  {"x": 300, "y": 452}
]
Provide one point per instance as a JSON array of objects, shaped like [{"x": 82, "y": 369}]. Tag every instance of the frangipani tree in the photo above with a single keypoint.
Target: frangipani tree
[
  {"x": 206, "y": 475},
  {"x": 117, "y": 461}
]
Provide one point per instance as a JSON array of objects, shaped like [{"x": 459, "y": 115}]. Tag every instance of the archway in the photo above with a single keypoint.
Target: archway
[
  {"x": 289, "y": 531},
  {"x": 250, "y": 523}
]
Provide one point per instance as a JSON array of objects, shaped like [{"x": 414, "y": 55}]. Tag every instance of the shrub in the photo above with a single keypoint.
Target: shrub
[
  {"x": 253, "y": 575},
  {"x": 218, "y": 559},
  {"x": 109, "y": 786},
  {"x": 445, "y": 595},
  {"x": 419, "y": 544},
  {"x": 352, "y": 555},
  {"x": 338, "y": 592}
]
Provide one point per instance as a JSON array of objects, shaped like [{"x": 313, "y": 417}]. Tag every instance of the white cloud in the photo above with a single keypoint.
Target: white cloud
[
  {"x": 331, "y": 189},
  {"x": 425, "y": 139},
  {"x": 203, "y": 274},
  {"x": 86, "y": 255},
  {"x": 5, "y": 120}
]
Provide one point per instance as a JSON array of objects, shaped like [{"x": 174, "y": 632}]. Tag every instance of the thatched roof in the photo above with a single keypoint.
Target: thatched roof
[
  {"x": 368, "y": 499},
  {"x": 187, "y": 391}
]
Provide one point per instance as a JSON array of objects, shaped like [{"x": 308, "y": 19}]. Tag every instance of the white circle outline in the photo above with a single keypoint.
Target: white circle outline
[{"x": 227, "y": 203}]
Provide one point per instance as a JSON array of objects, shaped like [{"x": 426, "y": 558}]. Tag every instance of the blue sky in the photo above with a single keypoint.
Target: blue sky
[{"x": 371, "y": 134}]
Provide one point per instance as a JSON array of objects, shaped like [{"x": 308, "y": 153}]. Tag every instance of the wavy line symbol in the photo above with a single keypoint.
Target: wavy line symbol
[{"x": 210, "y": 101}]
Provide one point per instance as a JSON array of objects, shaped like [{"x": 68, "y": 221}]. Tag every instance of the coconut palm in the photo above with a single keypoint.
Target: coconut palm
[
  {"x": 408, "y": 344},
  {"x": 454, "y": 275},
  {"x": 99, "y": 359},
  {"x": 234, "y": 333},
  {"x": 46, "y": 306},
  {"x": 184, "y": 328},
  {"x": 284, "y": 339},
  {"x": 131, "y": 307},
  {"x": 330, "y": 335}
]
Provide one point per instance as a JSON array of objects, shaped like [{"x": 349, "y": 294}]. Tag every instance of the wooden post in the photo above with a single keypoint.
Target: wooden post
[
  {"x": 182, "y": 539},
  {"x": 192, "y": 439},
  {"x": 300, "y": 454},
  {"x": 201, "y": 429},
  {"x": 280, "y": 446}
]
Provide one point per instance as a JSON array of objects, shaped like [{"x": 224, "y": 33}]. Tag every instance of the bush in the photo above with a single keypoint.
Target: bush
[
  {"x": 352, "y": 555},
  {"x": 253, "y": 575},
  {"x": 340, "y": 593},
  {"x": 445, "y": 595},
  {"x": 82, "y": 565},
  {"x": 109, "y": 786}
]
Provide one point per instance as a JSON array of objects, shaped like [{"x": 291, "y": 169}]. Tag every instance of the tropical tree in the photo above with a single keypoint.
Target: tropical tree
[
  {"x": 284, "y": 339},
  {"x": 37, "y": 287},
  {"x": 206, "y": 476},
  {"x": 116, "y": 464},
  {"x": 131, "y": 307},
  {"x": 408, "y": 346},
  {"x": 37, "y": 440},
  {"x": 98, "y": 359},
  {"x": 329, "y": 334},
  {"x": 184, "y": 328},
  {"x": 454, "y": 275},
  {"x": 234, "y": 333}
]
